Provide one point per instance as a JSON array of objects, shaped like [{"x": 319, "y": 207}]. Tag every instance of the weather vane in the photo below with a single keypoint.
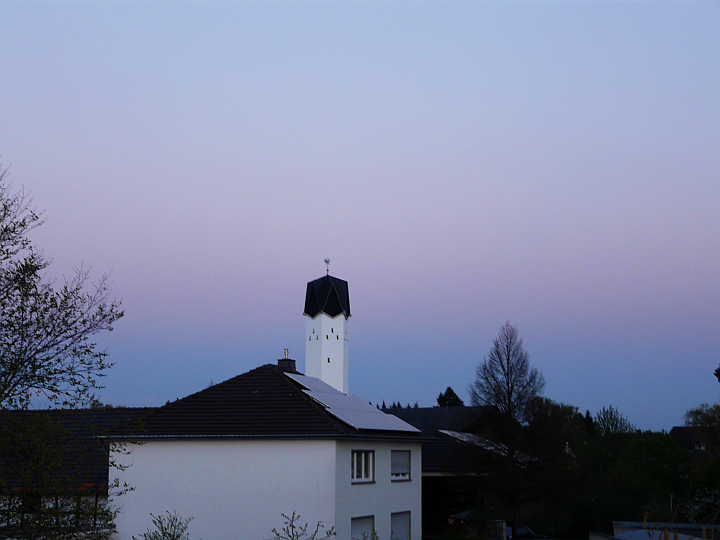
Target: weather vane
[{"x": 327, "y": 264}]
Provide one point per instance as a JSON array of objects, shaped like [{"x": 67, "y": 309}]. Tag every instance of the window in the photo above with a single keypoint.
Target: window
[
  {"x": 400, "y": 526},
  {"x": 362, "y": 528},
  {"x": 400, "y": 465},
  {"x": 363, "y": 466}
]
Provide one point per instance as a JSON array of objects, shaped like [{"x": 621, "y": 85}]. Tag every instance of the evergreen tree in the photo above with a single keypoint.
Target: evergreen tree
[{"x": 449, "y": 399}]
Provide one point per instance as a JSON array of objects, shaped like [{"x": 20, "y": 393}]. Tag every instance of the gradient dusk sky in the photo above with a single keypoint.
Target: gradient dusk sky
[{"x": 462, "y": 164}]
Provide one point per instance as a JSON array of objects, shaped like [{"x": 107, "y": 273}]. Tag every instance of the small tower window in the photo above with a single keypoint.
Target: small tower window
[
  {"x": 328, "y": 359},
  {"x": 332, "y": 330},
  {"x": 338, "y": 337}
]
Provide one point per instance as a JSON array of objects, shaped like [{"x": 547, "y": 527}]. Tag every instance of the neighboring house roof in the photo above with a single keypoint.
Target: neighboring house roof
[
  {"x": 268, "y": 401},
  {"x": 443, "y": 454},
  {"x": 328, "y": 295},
  {"x": 437, "y": 418},
  {"x": 449, "y": 447},
  {"x": 683, "y": 436},
  {"x": 58, "y": 448},
  {"x": 700, "y": 442}
]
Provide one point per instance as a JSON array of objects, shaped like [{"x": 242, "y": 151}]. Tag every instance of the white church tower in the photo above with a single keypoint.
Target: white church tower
[{"x": 327, "y": 309}]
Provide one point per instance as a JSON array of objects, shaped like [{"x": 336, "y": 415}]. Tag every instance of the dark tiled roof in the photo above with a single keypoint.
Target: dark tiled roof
[
  {"x": 683, "y": 436},
  {"x": 436, "y": 418},
  {"x": 327, "y": 295},
  {"x": 58, "y": 449},
  {"x": 441, "y": 452},
  {"x": 263, "y": 402}
]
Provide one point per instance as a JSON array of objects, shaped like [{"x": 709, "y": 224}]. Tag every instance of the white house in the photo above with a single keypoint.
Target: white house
[{"x": 238, "y": 454}]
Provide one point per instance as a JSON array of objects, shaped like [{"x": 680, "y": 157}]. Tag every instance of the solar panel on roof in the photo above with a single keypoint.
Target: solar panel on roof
[
  {"x": 313, "y": 383},
  {"x": 349, "y": 409}
]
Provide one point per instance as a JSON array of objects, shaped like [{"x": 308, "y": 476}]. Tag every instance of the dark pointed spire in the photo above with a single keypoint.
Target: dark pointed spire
[{"x": 328, "y": 295}]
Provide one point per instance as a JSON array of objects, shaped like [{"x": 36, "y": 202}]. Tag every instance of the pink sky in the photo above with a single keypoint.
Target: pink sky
[{"x": 462, "y": 164}]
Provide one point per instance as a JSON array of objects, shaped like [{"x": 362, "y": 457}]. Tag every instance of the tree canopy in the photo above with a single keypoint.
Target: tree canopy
[{"x": 610, "y": 421}]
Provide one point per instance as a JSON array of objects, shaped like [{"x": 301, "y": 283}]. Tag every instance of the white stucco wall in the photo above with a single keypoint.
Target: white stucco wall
[
  {"x": 234, "y": 489},
  {"x": 327, "y": 338},
  {"x": 382, "y": 497}
]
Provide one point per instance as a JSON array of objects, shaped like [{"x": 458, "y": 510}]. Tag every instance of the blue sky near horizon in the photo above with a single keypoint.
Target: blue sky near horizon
[{"x": 554, "y": 164}]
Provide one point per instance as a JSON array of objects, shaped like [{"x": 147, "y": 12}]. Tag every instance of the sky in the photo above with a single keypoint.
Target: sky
[{"x": 462, "y": 164}]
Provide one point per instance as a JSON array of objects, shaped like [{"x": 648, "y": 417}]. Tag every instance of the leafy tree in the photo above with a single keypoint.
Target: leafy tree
[
  {"x": 449, "y": 399},
  {"x": 704, "y": 506},
  {"x": 555, "y": 431},
  {"x": 610, "y": 421},
  {"x": 635, "y": 475},
  {"x": 555, "y": 434},
  {"x": 704, "y": 416},
  {"x": 704, "y": 502},
  {"x": 45, "y": 330},
  {"x": 505, "y": 379},
  {"x": 589, "y": 423}
]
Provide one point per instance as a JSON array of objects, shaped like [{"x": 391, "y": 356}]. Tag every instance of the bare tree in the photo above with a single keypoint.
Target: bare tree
[
  {"x": 45, "y": 330},
  {"x": 505, "y": 379}
]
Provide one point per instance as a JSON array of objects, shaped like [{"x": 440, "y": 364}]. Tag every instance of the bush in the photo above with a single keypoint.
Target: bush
[
  {"x": 167, "y": 527},
  {"x": 292, "y": 530}
]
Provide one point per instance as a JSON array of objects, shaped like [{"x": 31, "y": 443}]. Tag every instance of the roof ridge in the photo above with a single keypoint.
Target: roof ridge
[{"x": 260, "y": 402}]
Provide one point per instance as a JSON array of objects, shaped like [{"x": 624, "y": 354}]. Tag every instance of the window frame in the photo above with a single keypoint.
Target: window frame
[
  {"x": 369, "y": 520},
  {"x": 400, "y": 476},
  {"x": 366, "y": 468},
  {"x": 394, "y": 523}
]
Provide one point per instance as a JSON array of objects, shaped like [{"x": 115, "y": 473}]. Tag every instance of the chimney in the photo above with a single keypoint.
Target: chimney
[{"x": 287, "y": 363}]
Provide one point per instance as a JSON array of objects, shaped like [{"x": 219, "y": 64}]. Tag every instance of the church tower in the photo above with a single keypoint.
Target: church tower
[{"x": 327, "y": 309}]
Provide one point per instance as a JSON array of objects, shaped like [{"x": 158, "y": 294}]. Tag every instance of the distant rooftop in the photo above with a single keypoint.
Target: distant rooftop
[
  {"x": 439, "y": 418},
  {"x": 71, "y": 439}
]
